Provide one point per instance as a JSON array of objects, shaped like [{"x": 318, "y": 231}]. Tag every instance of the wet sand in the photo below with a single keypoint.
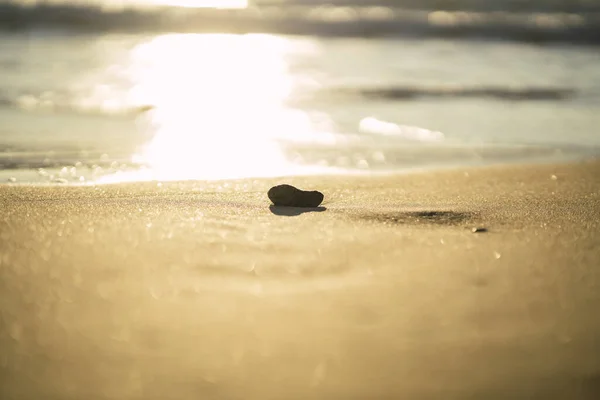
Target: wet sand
[{"x": 200, "y": 290}]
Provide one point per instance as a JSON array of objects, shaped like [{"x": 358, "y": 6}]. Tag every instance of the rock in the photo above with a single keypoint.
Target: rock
[
  {"x": 287, "y": 195},
  {"x": 479, "y": 230}
]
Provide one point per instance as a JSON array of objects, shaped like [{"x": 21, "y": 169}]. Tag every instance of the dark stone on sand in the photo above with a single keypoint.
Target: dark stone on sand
[
  {"x": 479, "y": 230},
  {"x": 289, "y": 196}
]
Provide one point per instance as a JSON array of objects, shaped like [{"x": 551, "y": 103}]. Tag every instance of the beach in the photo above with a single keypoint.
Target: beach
[
  {"x": 456, "y": 254},
  {"x": 201, "y": 290}
]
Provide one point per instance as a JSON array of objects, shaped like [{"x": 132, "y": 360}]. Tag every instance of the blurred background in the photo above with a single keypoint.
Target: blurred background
[{"x": 112, "y": 91}]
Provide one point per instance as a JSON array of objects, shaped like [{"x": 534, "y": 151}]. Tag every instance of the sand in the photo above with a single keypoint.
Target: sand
[{"x": 198, "y": 290}]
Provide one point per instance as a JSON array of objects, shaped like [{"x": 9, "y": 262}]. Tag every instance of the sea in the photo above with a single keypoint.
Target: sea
[{"x": 95, "y": 92}]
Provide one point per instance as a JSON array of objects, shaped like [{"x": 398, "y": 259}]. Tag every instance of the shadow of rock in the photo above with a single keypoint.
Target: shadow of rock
[{"x": 294, "y": 211}]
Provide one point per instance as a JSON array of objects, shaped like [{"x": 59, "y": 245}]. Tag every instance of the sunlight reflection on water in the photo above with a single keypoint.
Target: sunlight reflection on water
[{"x": 219, "y": 106}]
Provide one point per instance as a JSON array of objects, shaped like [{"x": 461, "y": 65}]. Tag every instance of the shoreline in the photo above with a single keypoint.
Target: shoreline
[{"x": 6, "y": 177}]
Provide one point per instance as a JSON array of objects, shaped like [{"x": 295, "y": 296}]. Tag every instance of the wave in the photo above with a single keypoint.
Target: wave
[
  {"x": 332, "y": 21},
  {"x": 71, "y": 105},
  {"x": 530, "y": 93},
  {"x": 461, "y": 5},
  {"x": 65, "y": 103}
]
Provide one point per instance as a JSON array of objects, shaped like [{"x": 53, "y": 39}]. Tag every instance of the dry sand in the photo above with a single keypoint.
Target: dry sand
[{"x": 198, "y": 290}]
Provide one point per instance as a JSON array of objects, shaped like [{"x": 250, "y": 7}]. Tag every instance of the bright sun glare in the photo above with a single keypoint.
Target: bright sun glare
[
  {"x": 204, "y": 3},
  {"x": 219, "y": 105}
]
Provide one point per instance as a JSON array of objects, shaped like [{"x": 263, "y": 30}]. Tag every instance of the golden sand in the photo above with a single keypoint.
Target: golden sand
[{"x": 200, "y": 290}]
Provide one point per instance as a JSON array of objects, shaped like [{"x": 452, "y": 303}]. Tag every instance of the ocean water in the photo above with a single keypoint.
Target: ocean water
[{"x": 99, "y": 92}]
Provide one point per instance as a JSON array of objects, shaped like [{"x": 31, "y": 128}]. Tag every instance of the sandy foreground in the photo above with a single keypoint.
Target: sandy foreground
[{"x": 199, "y": 290}]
